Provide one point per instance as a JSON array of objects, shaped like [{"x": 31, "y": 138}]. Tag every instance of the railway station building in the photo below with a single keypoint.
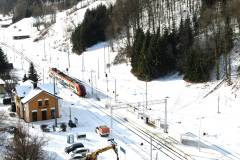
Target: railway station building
[{"x": 36, "y": 103}]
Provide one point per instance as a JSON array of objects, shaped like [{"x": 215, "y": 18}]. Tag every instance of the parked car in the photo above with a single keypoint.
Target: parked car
[
  {"x": 6, "y": 100},
  {"x": 45, "y": 128},
  {"x": 78, "y": 157},
  {"x": 82, "y": 151},
  {"x": 73, "y": 147},
  {"x": 103, "y": 130}
]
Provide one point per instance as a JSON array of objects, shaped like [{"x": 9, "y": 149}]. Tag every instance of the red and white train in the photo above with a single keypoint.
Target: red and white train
[{"x": 77, "y": 87}]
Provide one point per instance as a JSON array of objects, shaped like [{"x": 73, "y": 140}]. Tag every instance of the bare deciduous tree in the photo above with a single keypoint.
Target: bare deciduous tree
[{"x": 24, "y": 146}]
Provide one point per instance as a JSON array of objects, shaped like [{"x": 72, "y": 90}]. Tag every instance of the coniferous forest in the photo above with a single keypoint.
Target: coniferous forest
[
  {"x": 91, "y": 30},
  {"x": 191, "y": 37},
  {"x": 193, "y": 47}
]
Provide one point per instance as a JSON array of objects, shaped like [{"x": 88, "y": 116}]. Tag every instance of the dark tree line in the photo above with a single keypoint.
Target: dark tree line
[
  {"x": 155, "y": 55},
  {"x": 92, "y": 29},
  {"x": 156, "y": 45},
  {"x": 193, "y": 47},
  {"x": 38, "y": 8},
  {"x": 6, "y": 6},
  {"x": 151, "y": 54}
]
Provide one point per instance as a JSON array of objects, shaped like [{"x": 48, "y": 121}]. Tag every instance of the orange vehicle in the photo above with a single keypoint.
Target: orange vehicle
[{"x": 103, "y": 130}]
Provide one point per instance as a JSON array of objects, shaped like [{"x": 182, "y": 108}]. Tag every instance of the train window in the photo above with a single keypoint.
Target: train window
[{"x": 71, "y": 86}]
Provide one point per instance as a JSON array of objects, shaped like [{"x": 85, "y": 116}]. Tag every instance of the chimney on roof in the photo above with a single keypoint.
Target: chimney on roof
[{"x": 34, "y": 85}]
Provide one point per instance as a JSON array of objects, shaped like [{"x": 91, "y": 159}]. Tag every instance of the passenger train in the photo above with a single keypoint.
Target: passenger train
[{"x": 76, "y": 86}]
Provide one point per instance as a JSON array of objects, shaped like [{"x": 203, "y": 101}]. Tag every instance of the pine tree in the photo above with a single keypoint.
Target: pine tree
[
  {"x": 25, "y": 78},
  {"x": 180, "y": 46},
  {"x": 185, "y": 41},
  {"x": 3, "y": 61},
  {"x": 195, "y": 24},
  {"x": 92, "y": 29},
  {"x": 153, "y": 56},
  {"x": 188, "y": 33},
  {"x": 163, "y": 58},
  {"x": 172, "y": 50},
  {"x": 32, "y": 74},
  {"x": 228, "y": 35},
  {"x": 143, "y": 67},
  {"x": 199, "y": 62},
  {"x": 137, "y": 45}
]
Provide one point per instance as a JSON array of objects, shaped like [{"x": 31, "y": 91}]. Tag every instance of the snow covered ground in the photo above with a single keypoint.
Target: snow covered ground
[{"x": 191, "y": 110}]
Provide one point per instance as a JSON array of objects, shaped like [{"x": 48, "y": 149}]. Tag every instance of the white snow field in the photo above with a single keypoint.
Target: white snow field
[{"x": 203, "y": 119}]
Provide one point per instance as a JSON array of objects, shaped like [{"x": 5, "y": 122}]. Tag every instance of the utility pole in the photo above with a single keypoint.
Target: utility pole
[
  {"x": 44, "y": 49},
  {"x": 98, "y": 68},
  {"x": 56, "y": 108},
  {"x": 107, "y": 81},
  {"x": 165, "y": 124},
  {"x": 95, "y": 77},
  {"x": 22, "y": 56},
  {"x": 58, "y": 61},
  {"x": 115, "y": 90},
  {"x": 104, "y": 60},
  {"x": 91, "y": 82},
  {"x": 43, "y": 75},
  {"x": 22, "y": 60},
  {"x": 68, "y": 59},
  {"x": 218, "y": 103},
  {"x": 70, "y": 113},
  {"x": 14, "y": 53},
  {"x": 111, "y": 123},
  {"x": 146, "y": 95},
  {"x": 109, "y": 63},
  {"x": 50, "y": 58},
  {"x": 83, "y": 67}
]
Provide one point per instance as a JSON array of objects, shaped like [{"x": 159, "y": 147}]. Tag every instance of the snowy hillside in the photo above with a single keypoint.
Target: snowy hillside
[{"x": 210, "y": 110}]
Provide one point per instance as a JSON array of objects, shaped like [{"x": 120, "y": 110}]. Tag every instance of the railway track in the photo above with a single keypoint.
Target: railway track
[
  {"x": 157, "y": 142},
  {"x": 20, "y": 54},
  {"x": 95, "y": 116},
  {"x": 160, "y": 143},
  {"x": 136, "y": 148}
]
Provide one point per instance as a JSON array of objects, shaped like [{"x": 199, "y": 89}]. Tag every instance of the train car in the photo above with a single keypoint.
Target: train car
[{"x": 76, "y": 86}]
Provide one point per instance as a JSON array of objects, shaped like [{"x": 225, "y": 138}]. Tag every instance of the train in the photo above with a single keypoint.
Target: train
[{"x": 76, "y": 86}]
